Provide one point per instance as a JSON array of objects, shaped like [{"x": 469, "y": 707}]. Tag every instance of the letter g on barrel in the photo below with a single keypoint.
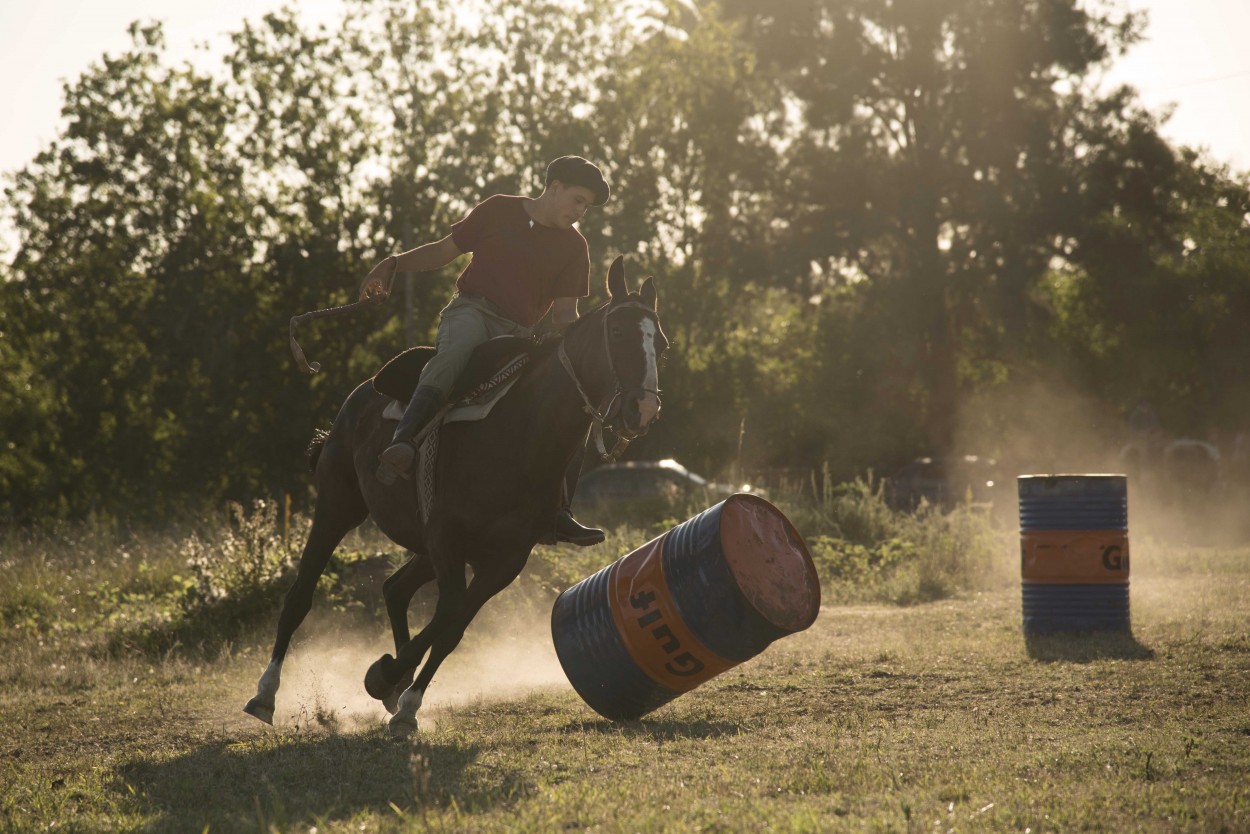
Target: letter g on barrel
[
  {"x": 1114, "y": 558},
  {"x": 685, "y": 664}
]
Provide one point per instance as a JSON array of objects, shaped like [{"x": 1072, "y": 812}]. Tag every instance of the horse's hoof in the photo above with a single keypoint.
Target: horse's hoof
[
  {"x": 391, "y": 701},
  {"x": 259, "y": 709},
  {"x": 381, "y": 678},
  {"x": 402, "y": 727}
]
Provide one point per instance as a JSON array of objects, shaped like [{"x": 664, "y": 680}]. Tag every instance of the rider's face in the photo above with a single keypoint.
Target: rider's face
[{"x": 570, "y": 202}]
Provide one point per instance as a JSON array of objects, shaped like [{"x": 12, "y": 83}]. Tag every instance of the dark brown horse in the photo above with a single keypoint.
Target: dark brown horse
[{"x": 497, "y": 488}]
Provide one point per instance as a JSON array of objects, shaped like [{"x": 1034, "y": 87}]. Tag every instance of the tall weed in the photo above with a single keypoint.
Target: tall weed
[
  {"x": 865, "y": 551},
  {"x": 147, "y": 590},
  {"x": 251, "y": 551},
  {"x": 211, "y": 586}
]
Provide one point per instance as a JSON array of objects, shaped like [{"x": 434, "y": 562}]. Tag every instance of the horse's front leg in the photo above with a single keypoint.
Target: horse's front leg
[
  {"x": 337, "y": 512},
  {"x": 486, "y": 584}
]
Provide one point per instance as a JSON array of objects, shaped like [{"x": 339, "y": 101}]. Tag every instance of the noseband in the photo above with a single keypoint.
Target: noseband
[{"x": 612, "y": 405}]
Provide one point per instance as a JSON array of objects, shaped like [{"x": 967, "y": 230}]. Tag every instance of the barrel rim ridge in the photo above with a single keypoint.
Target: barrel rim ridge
[{"x": 1083, "y": 475}]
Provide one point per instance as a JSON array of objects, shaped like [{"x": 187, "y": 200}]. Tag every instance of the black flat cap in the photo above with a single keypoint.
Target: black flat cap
[{"x": 573, "y": 170}]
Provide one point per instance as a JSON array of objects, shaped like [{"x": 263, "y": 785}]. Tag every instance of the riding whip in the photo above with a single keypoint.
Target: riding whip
[
  {"x": 312, "y": 367},
  {"x": 366, "y": 300}
]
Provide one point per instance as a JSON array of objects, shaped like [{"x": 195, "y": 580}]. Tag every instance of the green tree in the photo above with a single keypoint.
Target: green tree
[
  {"x": 933, "y": 170},
  {"x": 861, "y": 213},
  {"x": 162, "y": 247},
  {"x": 104, "y": 216},
  {"x": 1152, "y": 300}
]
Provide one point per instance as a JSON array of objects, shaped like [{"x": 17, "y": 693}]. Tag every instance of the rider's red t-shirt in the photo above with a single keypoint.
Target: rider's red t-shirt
[{"x": 518, "y": 264}]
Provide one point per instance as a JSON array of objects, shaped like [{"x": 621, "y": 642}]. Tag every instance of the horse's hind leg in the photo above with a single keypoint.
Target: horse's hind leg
[
  {"x": 483, "y": 587},
  {"x": 387, "y": 672},
  {"x": 398, "y": 590},
  {"x": 338, "y": 512}
]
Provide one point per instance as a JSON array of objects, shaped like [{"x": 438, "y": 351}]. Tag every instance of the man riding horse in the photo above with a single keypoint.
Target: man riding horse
[{"x": 528, "y": 259}]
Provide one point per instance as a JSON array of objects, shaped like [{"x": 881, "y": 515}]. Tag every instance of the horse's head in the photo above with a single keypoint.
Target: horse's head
[{"x": 622, "y": 370}]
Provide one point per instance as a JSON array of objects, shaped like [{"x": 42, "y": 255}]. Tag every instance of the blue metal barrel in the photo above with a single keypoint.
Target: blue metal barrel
[
  {"x": 1074, "y": 555},
  {"x": 712, "y": 592}
]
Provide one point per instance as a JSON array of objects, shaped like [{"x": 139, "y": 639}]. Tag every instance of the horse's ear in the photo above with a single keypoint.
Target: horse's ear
[
  {"x": 648, "y": 293},
  {"x": 616, "y": 278}
]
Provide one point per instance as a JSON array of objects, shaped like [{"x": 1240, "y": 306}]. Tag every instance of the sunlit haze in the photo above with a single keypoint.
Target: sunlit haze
[{"x": 1192, "y": 57}]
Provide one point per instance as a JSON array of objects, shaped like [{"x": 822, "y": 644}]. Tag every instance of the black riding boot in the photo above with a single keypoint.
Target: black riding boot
[
  {"x": 567, "y": 528},
  {"x": 397, "y": 459}
]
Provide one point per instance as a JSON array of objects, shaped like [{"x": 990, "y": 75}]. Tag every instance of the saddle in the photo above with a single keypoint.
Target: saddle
[
  {"x": 492, "y": 370},
  {"x": 494, "y": 363}
]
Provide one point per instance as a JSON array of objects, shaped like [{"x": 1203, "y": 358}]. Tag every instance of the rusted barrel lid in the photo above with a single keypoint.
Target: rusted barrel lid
[{"x": 742, "y": 576}]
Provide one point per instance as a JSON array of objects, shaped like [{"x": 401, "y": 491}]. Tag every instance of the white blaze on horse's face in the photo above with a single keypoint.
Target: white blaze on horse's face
[{"x": 649, "y": 403}]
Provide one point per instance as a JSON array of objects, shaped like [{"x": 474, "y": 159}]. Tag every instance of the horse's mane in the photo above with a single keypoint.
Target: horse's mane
[
  {"x": 548, "y": 343},
  {"x": 555, "y": 338}
]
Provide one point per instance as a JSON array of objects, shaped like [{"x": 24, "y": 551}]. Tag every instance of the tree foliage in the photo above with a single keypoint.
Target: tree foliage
[{"x": 866, "y": 215}]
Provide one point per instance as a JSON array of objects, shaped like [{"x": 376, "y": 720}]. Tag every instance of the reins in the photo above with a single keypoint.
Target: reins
[{"x": 599, "y": 417}]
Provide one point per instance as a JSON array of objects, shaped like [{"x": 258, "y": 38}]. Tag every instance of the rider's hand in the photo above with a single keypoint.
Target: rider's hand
[{"x": 378, "y": 281}]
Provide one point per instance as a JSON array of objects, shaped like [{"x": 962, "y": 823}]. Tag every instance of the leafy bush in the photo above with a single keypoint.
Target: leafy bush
[
  {"x": 863, "y": 550},
  {"x": 149, "y": 591},
  {"x": 235, "y": 570}
]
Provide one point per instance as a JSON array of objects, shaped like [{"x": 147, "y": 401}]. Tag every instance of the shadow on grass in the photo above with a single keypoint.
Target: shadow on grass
[
  {"x": 295, "y": 783},
  {"x": 661, "y": 729},
  {"x": 1086, "y": 646},
  {"x": 204, "y": 630}
]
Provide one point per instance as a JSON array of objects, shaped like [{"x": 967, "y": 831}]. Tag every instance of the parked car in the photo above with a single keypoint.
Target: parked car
[
  {"x": 665, "y": 480},
  {"x": 947, "y": 481}
]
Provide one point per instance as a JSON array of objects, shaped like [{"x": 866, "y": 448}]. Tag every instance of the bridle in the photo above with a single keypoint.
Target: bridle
[{"x": 599, "y": 417}]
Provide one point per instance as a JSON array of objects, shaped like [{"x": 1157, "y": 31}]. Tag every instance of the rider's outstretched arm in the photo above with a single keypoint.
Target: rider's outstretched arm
[{"x": 425, "y": 258}]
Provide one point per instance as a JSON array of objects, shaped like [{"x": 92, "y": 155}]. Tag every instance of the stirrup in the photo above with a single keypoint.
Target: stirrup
[{"x": 396, "y": 462}]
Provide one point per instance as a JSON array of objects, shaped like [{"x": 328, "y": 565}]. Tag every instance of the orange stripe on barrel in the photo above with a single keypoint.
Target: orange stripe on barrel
[
  {"x": 654, "y": 633},
  {"x": 1074, "y": 557}
]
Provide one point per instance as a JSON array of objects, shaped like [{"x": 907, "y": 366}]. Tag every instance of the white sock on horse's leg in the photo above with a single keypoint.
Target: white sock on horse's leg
[
  {"x": 262, "y": 705},
  {"x": 270, "y": 680},
  {"x": 406, "y": 711}
]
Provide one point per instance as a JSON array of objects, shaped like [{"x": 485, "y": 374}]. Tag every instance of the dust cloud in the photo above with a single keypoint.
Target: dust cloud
[
  {"x": 1042, "y": 426},
  {"x": 506, "y": 653},
  {"x": 1182, "y": 491},
  {"x": 1188, "y": 529}
]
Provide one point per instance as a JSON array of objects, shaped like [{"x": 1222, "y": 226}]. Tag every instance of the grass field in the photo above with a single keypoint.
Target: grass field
[{"x": 932, "y": 716}]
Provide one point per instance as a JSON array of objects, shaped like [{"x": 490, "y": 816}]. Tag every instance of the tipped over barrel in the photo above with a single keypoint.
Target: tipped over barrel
[
  {"x": 709, "y": 594},
  {"x": 1074, "y": 565}
]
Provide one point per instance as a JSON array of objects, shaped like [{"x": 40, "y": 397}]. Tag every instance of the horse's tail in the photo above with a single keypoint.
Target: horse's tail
[{"x": 315, "y": 446}]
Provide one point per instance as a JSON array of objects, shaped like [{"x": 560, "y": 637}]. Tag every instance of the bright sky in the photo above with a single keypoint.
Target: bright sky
[
  {"x": 45, "y": 43},
  {"x": 1195, "y": 57}
]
